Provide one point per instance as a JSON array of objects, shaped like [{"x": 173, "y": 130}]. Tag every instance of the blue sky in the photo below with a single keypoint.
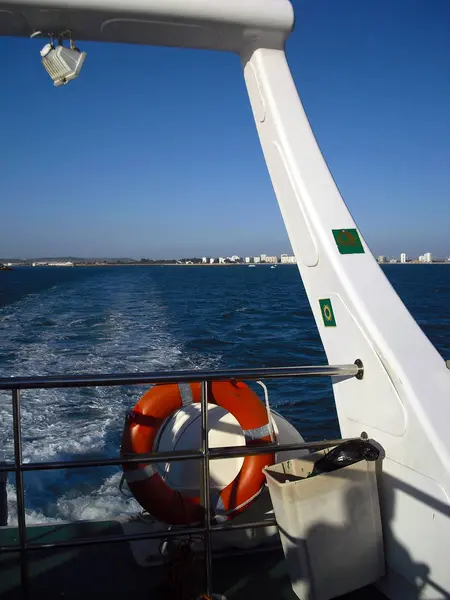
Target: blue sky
[{"x": 153, "y": 151}]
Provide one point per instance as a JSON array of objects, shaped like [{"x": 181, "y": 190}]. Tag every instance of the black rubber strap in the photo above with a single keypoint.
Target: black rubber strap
[{"x": 140, "y": 419}]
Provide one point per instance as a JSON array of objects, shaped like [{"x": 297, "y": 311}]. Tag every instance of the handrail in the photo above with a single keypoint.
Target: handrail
[
  {"x": 197, "y": 376},
  {"x": 147, "y": 535},
  {"x": 16, "y": 384},
  {"x": 172, "y": 456}
]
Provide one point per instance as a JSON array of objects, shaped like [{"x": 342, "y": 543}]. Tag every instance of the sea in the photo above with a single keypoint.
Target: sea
[{"x": 154, "y": 318}]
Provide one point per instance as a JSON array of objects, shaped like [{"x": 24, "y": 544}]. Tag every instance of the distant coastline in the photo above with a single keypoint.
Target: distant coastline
[
  {"x": 176, "y": 264},
  {"x": 21, "y": 264},
  {"x": 73, "y": 261},
  {"x": 416, "y": 262},
  {"x": 139, "y": 264},
  {"x": 66, "y": 262}
]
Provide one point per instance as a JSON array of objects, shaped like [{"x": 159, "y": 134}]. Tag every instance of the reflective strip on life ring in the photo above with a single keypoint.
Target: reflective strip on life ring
[{"x": 140, "y": 433}]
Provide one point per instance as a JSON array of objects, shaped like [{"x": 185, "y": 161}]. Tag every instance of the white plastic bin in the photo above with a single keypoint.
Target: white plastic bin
[{"x": 329, "y": 526}]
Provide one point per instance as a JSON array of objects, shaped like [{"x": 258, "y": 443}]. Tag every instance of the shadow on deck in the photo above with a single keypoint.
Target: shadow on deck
[{"x": 110, "y": 571}]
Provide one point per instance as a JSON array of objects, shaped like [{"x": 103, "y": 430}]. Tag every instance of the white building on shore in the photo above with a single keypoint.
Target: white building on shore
[
  {"x": 403, "y": 257},
  {"x": 66, "y": 263},
  {"x": 287, "y": 259},
  {"x": 221, "y": 260},
  {"x": 247, "y": 259},
  {"x": 256, "y": 259},
  {"x": 271, "y": 259},
  {"x": 426, "y": 258},
  {"x": 204, "y": 260}
]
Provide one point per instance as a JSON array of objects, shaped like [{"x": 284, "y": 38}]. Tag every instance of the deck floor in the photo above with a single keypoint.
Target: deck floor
[{"x": 109, "y": 571}]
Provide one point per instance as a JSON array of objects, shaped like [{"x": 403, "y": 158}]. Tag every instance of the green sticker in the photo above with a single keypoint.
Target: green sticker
[
  {"x": 327, "y": 313},
  {"x": 348, "y": 241}
]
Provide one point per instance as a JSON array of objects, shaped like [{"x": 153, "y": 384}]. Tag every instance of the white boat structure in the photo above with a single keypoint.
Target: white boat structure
[{"x": 390, "y": 384}]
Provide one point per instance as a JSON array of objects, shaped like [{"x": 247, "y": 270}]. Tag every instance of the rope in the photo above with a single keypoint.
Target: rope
[
  {"x": 269, "y": 416},
  {"x": 183, "y": 576}
]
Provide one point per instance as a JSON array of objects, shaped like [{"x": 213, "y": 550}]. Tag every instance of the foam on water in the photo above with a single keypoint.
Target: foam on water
[
  {"x": 107, "y": 502},
  {"x": 90, "y": 326}
]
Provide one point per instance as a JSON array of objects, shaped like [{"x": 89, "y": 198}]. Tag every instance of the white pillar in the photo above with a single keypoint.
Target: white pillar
[{"x": 403, "y": 400}]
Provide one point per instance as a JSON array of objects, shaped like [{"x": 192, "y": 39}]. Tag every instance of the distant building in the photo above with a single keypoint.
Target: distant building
[
  {"x": 271, "y": 259},
  {"x": 204, "y": 259},
  {"x": 288, "y": 259},
  {"x": 221, "y": 260},
  {"x": 247, "y": 259},
  {"x": 381, "y": 259},
  {"x": 393, "y": 260},
  {"x": 428, "y": 257},
  {"x": 234, "y": 258},
  {"x": 211, "y": 261},
  {"x": 263, "y": 257},
  {"x": 403, "y": 257},
  {"x": 256, "y": 259},
  {"x": 67, "y": 263}
]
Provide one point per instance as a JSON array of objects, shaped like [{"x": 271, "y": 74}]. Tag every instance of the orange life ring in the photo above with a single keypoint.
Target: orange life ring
[{"x": 140, "y": 433}]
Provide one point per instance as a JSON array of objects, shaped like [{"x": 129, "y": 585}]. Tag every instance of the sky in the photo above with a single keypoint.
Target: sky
[{"x": 153, "y": 152}]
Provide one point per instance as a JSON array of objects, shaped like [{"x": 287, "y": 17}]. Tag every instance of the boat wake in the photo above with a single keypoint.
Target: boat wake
[
  {"x": 104, "y": 503},
  {"x": 82, "y": 327}
]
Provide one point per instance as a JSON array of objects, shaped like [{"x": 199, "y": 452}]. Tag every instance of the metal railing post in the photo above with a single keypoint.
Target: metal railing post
[
  {"x": 20, "y": 494},
  {"x": 206, "y": 489},
  {"x": 3, "y": 494}
]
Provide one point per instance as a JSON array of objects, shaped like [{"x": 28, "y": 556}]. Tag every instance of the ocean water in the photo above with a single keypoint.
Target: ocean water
[{"x": 130, "y": 319}]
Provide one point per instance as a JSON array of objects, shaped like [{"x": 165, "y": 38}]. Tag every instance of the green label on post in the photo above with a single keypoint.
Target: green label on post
[
  {"x": 348, "y": 241},
  {"x": 327, "y": 313}
]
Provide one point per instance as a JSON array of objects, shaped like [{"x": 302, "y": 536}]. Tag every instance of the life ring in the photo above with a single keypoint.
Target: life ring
[{"x": 141, "y": 431}]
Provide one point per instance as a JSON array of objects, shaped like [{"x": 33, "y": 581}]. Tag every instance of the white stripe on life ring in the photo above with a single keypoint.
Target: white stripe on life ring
[
  {"x": 186, "y": 394},
  {"x": 140, "y": 474},
  {"x": 257, "y": 433}
]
